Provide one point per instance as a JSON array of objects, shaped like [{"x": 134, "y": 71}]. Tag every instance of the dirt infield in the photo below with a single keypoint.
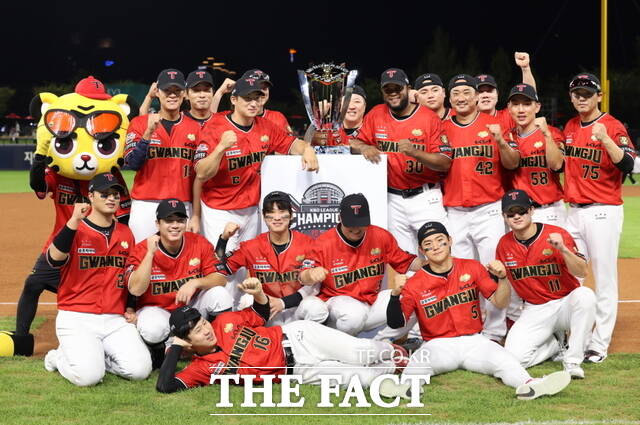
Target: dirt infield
[{"x": 30, "y": 220}]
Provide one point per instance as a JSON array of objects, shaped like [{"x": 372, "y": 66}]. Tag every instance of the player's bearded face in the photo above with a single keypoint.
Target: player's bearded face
[
  {"x": 201, "y": 96},
  {"x": 431, "y": 96},
  {"x": 396, "y": 97},
  {"x": 172, "y": 228},
  {"x": 202, "y": 337},
  {"x": 523, "y": 110},
  {"x": 487, "y": 98},
  {"x": 464, "y": 100}
]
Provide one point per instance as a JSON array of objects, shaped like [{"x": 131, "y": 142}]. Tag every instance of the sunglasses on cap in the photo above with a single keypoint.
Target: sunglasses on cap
[
  {"x": 583, "y": 82},
  {"x": 99, "y": 124},
  {"x": 519, "y": 211}
]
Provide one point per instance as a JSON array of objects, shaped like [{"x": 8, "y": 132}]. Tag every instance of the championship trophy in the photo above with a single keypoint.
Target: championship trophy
[{"x": 326, "y": 92}]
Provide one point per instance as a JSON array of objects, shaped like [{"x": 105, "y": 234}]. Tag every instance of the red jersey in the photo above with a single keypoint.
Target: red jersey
[
  {"x": 475, "y": 176},
  {"x": 533, "y": 175},
  {"x": 65, "y": 191},
  {"x": 194, "y": 260},
  {"x": 589, "y": 174},
  {"x": 168, "y": 170},
  {"x": 246, "y": 347},
  {"x": 92, "y": 280},
  {"x": 278, "y": 119},
  {"x": 422, "y": 128},
  {"x": 448, "y": 113},
  {"x": 278, "y": 273},
  {"x": 339, "y": 137},
  {"x": 504, "y": 119},
  {"x": 538, "y": 272},
  {"x": 447, "y": 305},
  {"x": 356, "y": 272},
  {"x": 237, "y": 183}
]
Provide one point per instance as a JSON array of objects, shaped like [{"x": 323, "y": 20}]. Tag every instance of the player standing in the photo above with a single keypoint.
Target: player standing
[
  {"x": 90, "y": 326},
  {"x": 417, "y": 152},
  {"x": 598, "y": 153},
  {"x": 543, "y": 264},
  {"x": 200, "y": 96}
]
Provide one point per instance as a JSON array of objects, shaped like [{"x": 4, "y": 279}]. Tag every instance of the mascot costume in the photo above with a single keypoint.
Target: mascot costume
[{"x": 79, "y": 135}]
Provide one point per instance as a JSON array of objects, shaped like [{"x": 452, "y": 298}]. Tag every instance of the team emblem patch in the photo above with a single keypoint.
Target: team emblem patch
[
  {"x": 124, "y": 244},
  {"x": 375, "y": 251},
  {"x": 130, "y": 137},
  {"x": 483, "y": 134},
  {"x": 547, "y": 251},
  {"x": 191, "y": 137},
  {"x": 228, "y": 328},
  {"x": 416, "y": 132},
  {"x": 623, "y": 140},
  {"x": 300, "y": 258},
  {"x": 537, "y": 144},
  {"x": 194, "y": 261},
  {"x": 264, "y": 138},
  {"x": 465, "y": 277},
  {"x": 443, "y": 139}
]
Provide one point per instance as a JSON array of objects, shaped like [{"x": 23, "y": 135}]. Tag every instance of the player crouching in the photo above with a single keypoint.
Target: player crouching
[
  {"x": 171, "y": 269},
  {"x": 444, "y": 297},
  {"x": 238, "y": 342},
  {"x": 543, "y": 265}
]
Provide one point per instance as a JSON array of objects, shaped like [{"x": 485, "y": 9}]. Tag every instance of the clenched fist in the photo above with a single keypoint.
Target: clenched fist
[
  {"x": 228, "y": 139},
  {"x": 318, "y": 274},
  {"x": 251, "y": 286},
  {"x": 555, "y": 240},
  {"x": 522, "y": 59},
  {"x": 541, "y": 123},
  {"x": 400, "y": 281},
  {"x": 599, "y": 131},
  {"x": 497, "y": 269},
  {"x": 152, "y": 243},
  {"x": 153, "y": 120},
  {"x": 495, "y": 130}
]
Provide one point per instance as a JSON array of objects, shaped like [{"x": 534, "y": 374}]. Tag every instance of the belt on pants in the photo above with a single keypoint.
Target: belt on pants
[
  {"x": 574, "y": 205},
  {"x": 408, "y": 193},
  {"x": 537, "y": 205},
  {"x": 290, "y": 361}
]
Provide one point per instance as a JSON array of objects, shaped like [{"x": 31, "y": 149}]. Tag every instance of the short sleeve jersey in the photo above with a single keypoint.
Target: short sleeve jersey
[
  {"x": 422, "y": 128},
  {"x": 168, "y": 273},
  {"x": 589, "y": 174},
  {"x": 538, "y": 272},
  {"x": 356, "y": 271},
  {"x": 278, "y": 119},
  {"x": 237, "y": 183},
  {"x": 447, "y": 306}
]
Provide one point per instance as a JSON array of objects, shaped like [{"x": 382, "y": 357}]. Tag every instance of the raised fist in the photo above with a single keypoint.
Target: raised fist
[
  {"x": 228, "y": 139},
  {"x": 522, "y": 59},
  {"x": 400, "y": 281}
]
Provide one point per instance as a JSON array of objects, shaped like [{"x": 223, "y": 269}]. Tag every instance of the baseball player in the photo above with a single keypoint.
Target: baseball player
[
  {"x": 541, "y": 156},
  {"x": 488, "y": 91},
  {"x": 349, "y": 262},
  {"x": 417, "y": 152},
  {"x": 239, "y": 343},
  {"x": 91, "y": 250},
  {"x": 228, "y": 162},
  {"x": 543, "y": 264},
  {"x": 275, "y": 258},
  {"x": 352, "y": 122},
  {"x": 598, "y": 153},
  {"x": 200, "y": 95},
  {"x": 171, "y": 269},
  {"x": 473, "y": 186},
  {"x": 160, "y": 147},
  {"x": 443, "y": 296},
  {"x": 430, "y": 92}
]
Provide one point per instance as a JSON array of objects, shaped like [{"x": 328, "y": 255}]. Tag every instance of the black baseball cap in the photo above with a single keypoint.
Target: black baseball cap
[
  {"x": 394, "y": 76},
  {"x": 427, "y": 80},
  {"x": 431, "y": 228},
  {"x": 104, "y": 181},
  {"x": 359, "y": 91},
  {"x": 182, "y": 320},
  {"x": 486, "y": 80},
  {"x": 246, "y": 85},
  {"x": 585, "y": 81},
  {"x": 169, "y": 207},
  {"x": 281, "y": 198},
  {"x": 516, "y": 198},
  {"x": 259, "y": 75},
  {"x": 354, "y": 211},
  {"x": 463, "y": 80},
  {"x": 171, "y": 77},
  {"x": 525, "y": 90},
  {"x": 199, "y": 76}
]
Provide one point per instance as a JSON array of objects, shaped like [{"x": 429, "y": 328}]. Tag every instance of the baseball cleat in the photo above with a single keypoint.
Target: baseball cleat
[
  {"x": 51, "y": 361},
  {"x": 390, "y": 389},
  {"x": 591, "y": 356},
  {"x": 547, "y": 385},
  {"x": 400, "y": 357},
  {"x": 412, "y": 344},
  {"x": 574, "y": 370}
]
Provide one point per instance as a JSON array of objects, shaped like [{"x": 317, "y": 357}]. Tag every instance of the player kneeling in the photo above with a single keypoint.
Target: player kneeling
[
  {"x": 238, "y": 342},
  {"x": 444, "y": 296},
  {"x": 92, "y": 250},
  {"x": 168, "y": 270},
  {"x": 543, "y": 262}
]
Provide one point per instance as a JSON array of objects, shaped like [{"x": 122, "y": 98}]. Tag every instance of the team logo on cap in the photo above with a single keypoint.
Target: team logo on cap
[
  {"x": 172, "y": 74},
  {"x": 228, "y": 328},
  {"x": 483, "y": 134},
  {"x": 194, "y": 261},
  {"x": 521, "y": 87},
  {"x": 172, "y": 202},
  {"x": 191, "y": 137},
  {"x": 200, "y": 74},
  {"x": 482, "y": 77},
  {"x": 124, "y": 244},
  {"x": 537, "y": 144},
  {"x": 356, "y": 209},
  {"x": 416, "y": 132},
  {"x": 264, "y": 138},
  {"x": 391, "y": 73},
  {"x": 375, "y": 251},
  {"x": 250, "y": 81},
  {"x": 513, "y": 195},
  {"x": 465, "y": 277}
]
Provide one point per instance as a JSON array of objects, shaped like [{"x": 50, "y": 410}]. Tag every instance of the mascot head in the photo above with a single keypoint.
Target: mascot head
[{"x": 82, "y": 133}]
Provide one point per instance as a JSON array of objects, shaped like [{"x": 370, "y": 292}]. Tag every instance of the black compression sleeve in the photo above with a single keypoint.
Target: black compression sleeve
[
  {"x": 54, "y": 263},
  {"x": 262, "y": 309},
  {"x": 167, "y": 381},
  {"x": 221, "y": 247},
  {"x": 64, "y": 239},
  {"x": 292, "y": 300},
  {"x": 395, "y": 318},
  {"x": 626, "y": 163}
]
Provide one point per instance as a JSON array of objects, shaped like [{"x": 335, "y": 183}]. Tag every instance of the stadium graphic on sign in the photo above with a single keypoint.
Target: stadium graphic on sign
[{"x": 319, "y": 209}]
